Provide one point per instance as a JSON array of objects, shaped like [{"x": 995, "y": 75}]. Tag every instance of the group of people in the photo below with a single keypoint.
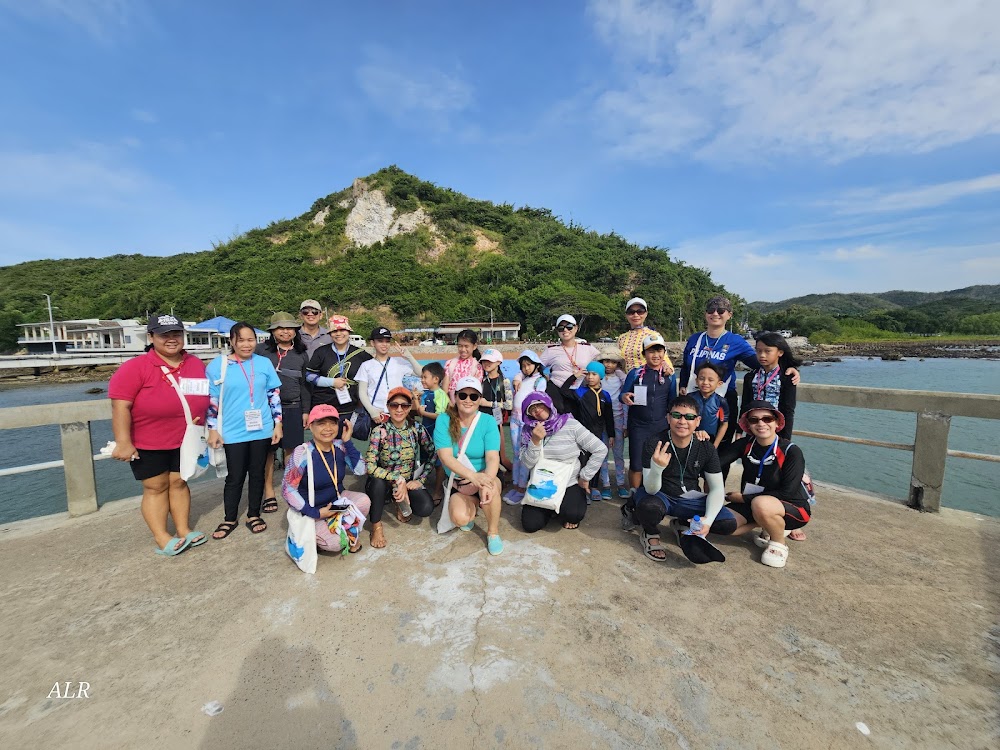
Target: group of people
[{"x": 434, "y": 433}]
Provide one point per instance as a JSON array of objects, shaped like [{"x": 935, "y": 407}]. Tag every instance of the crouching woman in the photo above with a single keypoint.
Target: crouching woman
[
  {"x": 558, "y": 439},
  {"x": 329, "y": 457}
]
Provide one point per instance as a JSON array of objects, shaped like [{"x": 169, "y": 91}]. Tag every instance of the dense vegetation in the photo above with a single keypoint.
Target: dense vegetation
[
  {"x": 971, "y": 311},
  {"x": 524, "y": 263}
]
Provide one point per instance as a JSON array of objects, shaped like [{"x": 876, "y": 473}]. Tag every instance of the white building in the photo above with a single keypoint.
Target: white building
[{"x": 96, "y": 335}]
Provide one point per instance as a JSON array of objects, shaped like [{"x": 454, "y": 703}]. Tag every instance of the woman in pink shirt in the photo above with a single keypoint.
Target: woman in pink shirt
[
  {"x": 149, "y": 423},
  {"x": 570, "y": 357}
]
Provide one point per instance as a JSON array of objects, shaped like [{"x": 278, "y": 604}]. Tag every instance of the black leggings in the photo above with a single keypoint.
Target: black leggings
[
  {"x": 572, "y": 510},
  {"x": 244, "y": 459},
  {"x": 380, "y": 492}
]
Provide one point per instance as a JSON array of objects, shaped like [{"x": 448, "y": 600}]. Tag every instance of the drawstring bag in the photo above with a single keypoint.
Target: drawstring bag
[
  {"x": 548, "y": 482},
  {"x": 300, "y": 543}
]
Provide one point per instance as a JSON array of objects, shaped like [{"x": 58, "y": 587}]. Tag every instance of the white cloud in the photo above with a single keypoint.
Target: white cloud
[
  {"x": 850, "y": 254},
  {"x": 91, "y": 175},
  {"x": 756, "y": 260},
  {"x": 747, "y": 79},
  {"x": 144, "y": 116},
  {"x": 875, "y": 200},
  {"x": 407, "y": 90},
  {"x": 101, "y": 19}
]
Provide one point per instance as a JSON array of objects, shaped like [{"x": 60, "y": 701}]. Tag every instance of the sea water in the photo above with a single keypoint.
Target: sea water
[{"x": 969, "y": 485}]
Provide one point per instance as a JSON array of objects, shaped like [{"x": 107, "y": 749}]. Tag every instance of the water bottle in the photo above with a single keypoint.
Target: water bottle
[{"x": 695, "y": 526}]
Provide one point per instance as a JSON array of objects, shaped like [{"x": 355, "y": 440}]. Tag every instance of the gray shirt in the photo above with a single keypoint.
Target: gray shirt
[
  {"x": 566, "y": 445},
  {"x": 314, "y": 342}
]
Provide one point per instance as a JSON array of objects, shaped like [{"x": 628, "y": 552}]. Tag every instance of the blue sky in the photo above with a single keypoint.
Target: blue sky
[{"x": 788, "y": 146}]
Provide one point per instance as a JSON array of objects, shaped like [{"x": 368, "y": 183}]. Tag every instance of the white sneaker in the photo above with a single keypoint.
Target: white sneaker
[{"x": 775, "y": 556}]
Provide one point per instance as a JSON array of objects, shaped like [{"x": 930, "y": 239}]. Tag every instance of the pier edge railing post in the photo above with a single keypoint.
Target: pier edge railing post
[
  {"x": 81, "y": 486},
  {"x": 930, "y": 451}
]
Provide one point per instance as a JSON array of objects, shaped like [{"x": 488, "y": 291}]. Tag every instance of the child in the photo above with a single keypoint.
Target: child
[
  {"x": 613, "y": 380},
  {"x": 465, "y": 365},
  {"x": 713, "y": 407},
  {"x": 529, "y": 381},
  {"x": 591, "y": 405},
  {"x": 432, "y": 402},
  {"x": 770, "y": 383},
  {"x": 498, "y": 397}
]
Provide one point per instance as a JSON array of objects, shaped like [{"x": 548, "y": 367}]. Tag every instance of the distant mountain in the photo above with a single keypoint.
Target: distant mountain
[{"x": 856, "y": 304}]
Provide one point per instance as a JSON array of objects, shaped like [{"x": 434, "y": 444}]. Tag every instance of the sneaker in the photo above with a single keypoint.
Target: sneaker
[
  {"x": 775, "y": 556},
  {"x": 624, "y": 493},
  {"x": 513, "y": 497},
  {"x": 628, "y": 518},
  {"x": 606, "y": 493},
  {"x": 494, "y": 545}
]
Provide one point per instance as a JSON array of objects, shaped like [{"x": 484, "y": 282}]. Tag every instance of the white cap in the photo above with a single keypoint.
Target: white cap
[
  {"x": 565, "y": 319},
  {"x": 636, "y": 301},
  {"x": 529, "y": 354},
  {"x": 653, "y": 339},
  {"x": 491, "y": 355},
  {"x": 469, "y": 382}
]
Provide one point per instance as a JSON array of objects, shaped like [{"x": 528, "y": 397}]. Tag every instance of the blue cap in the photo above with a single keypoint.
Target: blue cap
[
  {"x": 527, "y": 353},
  {"x": 598, "y": 368}
]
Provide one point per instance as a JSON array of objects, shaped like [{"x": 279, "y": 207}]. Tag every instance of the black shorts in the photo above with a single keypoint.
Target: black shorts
[
  {"x": 796, "y": 516},
  {"x": 153, "y": 463},
  {"x": 292, "y": 431}
]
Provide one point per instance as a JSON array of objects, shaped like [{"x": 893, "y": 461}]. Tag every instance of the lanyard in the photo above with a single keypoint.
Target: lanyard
[
  {"x": 333, "y": 474},
  {"x": 642, "y": 374},
  {"x": 340, "y": 361},
  {"x": 762, "y": 387},
  {"x": 282, "y": 353},
  {"x": 497, "y": 392},
  {"x": 680, "y": 466},
  {"x": 379, "y": 383},
  {"x": 571, "y": 357},
  {"x": 760, "y": 466},
  {"x": 250, "y": 378},
  {"x": 597, "y": 392}
]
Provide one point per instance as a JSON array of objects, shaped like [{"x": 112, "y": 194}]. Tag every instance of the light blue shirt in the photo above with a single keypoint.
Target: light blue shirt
[{"x": 236, "y": 396}]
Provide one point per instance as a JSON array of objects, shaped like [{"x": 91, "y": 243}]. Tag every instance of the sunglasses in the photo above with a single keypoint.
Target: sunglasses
[
  {"x": 462, "y": 395},
  {"x": 766, "y": 419},
  {"x": 719, "y": 310},
  {"x": 638, "y": 311},
  {"x": 399, "y": 405},
  {"x": 565, "y": 327},
  {"x": 679, "y": 415},
  {"x": 309, "y": 311}
]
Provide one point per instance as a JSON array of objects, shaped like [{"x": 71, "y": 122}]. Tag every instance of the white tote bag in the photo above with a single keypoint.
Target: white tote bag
[
  {"x": 548, "y": 482},
  {"x": 194, "y": 446},
  {"x": 217, "y": 456},
  {"x": 445, "y": 523},
  {"x": 300, "y": 544}
]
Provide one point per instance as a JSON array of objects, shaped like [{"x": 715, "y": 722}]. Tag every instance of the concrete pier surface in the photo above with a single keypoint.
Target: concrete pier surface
[{"x": 885, "y": 621}]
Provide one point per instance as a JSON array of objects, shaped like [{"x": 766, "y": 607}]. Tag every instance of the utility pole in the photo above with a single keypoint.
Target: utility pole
[
  {"x": 487, "y": 307},
  {"x": 680, "y": 324},
  {"x": 52, "y": 325}
]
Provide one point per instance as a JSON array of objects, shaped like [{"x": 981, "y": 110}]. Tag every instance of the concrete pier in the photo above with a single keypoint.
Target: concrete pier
[{"x": 570, "y": 639}]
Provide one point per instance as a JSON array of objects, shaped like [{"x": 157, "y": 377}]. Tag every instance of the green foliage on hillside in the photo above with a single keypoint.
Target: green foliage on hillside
[
  {"x": 524, "y": 263},
  {"x": 854, "y": 317}
]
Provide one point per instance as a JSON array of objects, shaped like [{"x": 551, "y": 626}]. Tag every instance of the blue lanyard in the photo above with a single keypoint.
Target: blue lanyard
[{"x": 760, "y": 466}]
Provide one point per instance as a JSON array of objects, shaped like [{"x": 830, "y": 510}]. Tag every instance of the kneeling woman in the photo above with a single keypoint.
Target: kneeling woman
[
  {"x": 475, "y": 484},
  {"x": 559, "y": 438},
  {"x": 394, "y": 467},
  {"x": 773, "y": 496},
  {"x": 329, "y": 459}
]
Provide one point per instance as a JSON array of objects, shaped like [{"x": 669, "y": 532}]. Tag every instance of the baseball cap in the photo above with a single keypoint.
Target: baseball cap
[
  {"x": 380, "y": 332},
  {"x": 565, "y": 319},
  {"x": 311, "y": 303},
  {"x": 598, "y": 368},
  {"x": 637, "y": 301},
  {"x": 283, "y": 320},
  {"x": 653, "y": 339},
  {"x": 340, "y": 322},
  {"x": 163, "y": 323},
  {"x": 323, "y": 411},
  {"x": 699, "y": 550},
  {"x": 756, "y": 405},
  {"x": 399, "y": 391},
  {"x": 719, "y": 301},
  {"x": 469, "y": 382},
  {"x": 528, "y": 354},
  {"x": 491, "y": 355}
]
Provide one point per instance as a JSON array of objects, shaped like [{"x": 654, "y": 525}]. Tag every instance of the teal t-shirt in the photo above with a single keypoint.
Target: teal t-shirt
[
  {"x": 485, "y": 438},
  {"x": 236, "y": 396}
]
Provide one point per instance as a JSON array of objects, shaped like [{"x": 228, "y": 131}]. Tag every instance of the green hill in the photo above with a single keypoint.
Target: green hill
[{"x": 391, "y": 248}]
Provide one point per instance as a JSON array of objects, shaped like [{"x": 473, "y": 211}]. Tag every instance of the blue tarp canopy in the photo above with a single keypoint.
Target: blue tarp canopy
[{"x": 220, "y": 324}]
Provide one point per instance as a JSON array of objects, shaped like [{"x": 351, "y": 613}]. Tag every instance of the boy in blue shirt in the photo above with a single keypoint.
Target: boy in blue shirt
[
  {"x": 432, "y": 402},
  {"x": 713, "y": 407}
]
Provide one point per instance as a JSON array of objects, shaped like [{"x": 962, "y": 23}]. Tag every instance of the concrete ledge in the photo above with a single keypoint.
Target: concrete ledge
[{"x": 569, "y": 639}]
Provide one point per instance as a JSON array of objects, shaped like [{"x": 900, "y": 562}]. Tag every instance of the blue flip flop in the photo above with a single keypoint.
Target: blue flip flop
[
  {"x": 192, "y": 542},
  {"x": 169, "y": 549}
]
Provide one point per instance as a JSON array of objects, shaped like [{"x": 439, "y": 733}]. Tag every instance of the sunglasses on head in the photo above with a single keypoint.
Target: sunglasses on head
[
  {"x": 680, "y": 415},
  {"x": 635, "y": 311},
  {"x": 766, "y": 419},
  {"x": 462, "y": 395},
  {"x": 719, "y": 310},
  {"x": 399, "y": 405},
  {"x": 309, "y": 311},
  {"x": 565, "y": 327}
]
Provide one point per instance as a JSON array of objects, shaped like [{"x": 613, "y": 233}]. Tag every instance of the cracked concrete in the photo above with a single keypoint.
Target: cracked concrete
[{"x": 568, "y": 639}]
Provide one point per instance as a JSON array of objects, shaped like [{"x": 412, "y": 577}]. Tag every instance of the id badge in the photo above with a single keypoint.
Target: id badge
[
  {"x": 693, "y": 495},
  {"x": 194, "y": 386},
  {"x": 343, "y": 395},
  {"x": 752, "y": 489},
  {"x": 254, "y": 420},
  {"x": 639, "y": 395}
]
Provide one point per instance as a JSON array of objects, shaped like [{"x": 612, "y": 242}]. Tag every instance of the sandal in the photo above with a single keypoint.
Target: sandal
[
  {"x": 775, "y": 556},
  {"x": 797, "y": 535},
  {"x": 270, "y": 505},
  {"x": 225, "y": 528},
  {"x": 375, "y": 543},
  {"x": 256, "y": 525},
  {"x": 648, "y": 548}
]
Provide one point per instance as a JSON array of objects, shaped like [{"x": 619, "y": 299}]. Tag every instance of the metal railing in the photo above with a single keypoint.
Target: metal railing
[{"x": 930, "y": 447}]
